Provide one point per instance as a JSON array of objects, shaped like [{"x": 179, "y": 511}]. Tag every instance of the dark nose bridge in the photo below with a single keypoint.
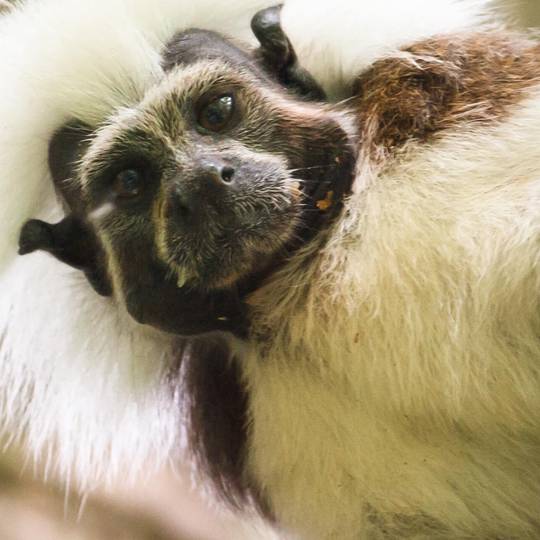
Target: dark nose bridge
[{"x": 203, "y": 183}]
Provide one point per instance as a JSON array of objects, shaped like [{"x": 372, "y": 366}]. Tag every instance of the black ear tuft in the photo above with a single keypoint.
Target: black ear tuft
[{"x": 277, "y": 55}]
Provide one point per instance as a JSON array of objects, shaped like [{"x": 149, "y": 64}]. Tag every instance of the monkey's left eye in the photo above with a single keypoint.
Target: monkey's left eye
[
  {"x": 128, "y": 184},
  {"x": 217, "y": 114}
]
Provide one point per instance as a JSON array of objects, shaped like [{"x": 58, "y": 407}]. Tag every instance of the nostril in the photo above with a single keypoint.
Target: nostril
[{"x": 227, "y": 174}]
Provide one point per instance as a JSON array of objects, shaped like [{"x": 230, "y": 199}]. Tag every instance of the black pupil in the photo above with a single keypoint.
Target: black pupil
[
  {"x": 219, "y": 111},
  {"x": 129, "y": 183}
]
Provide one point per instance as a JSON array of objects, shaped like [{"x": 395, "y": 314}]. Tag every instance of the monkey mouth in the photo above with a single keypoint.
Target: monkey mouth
[
  {"x": 224, "y": 261},
  {"x": 242, "y": 260},
  {"x": 229, "y": 242}
]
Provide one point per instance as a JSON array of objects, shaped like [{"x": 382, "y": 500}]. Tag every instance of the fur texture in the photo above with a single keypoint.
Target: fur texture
[
  {"x": 407, "y": 354},
  {"x": 337, "y": 44},
  {"x": 78, "y": 364},
  {"x": 54, "y": 62},
  {"x": 398, "y": 394}
]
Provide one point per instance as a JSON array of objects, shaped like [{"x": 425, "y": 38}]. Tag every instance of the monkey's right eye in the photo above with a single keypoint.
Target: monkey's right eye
[
  {"x": 128, "y": 184},
  {"x": 217, "y": 115}
]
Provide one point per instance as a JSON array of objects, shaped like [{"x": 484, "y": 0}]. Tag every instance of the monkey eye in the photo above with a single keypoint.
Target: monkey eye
[
  {"x": 128, "y": 184},
  {"x": 216, "y": 115}
]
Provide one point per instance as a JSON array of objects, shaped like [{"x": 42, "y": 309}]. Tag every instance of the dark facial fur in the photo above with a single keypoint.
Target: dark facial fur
[
  {"x": 210, "y": 230},
  {"x": 214, "y": 208}
]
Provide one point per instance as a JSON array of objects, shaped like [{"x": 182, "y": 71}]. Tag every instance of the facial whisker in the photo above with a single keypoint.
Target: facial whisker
[{"x": 313, "y": 167}]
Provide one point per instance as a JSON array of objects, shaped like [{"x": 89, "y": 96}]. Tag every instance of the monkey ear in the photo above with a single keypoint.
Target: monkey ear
[
  {"x": 277, "y": 55},
  {"x": 72, "y": 242},
  {"x": 66, "y": 148}
]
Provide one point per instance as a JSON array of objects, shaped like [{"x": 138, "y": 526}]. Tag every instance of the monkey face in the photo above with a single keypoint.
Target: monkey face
[
  {"x": 224, "y": 214},
  {"x": 185, "y": 202},
  {"x": 215, "y": 173}
]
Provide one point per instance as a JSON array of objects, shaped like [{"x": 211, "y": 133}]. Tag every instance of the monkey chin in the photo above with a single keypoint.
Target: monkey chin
[
  {"x": 238, "y": 267},
  {"x": 240, "y": 256}
]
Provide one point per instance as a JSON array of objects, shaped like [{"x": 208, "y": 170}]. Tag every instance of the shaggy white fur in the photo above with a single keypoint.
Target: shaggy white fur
[
  {"x": 413, "y": 342},
  {"x": 405, "y": 364}
]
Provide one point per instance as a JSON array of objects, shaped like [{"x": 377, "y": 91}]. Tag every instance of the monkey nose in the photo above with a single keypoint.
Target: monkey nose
[
  {"x": 214, "y": 173},
  {"x": 208, "y": 185},
  {"x": 217, "y": 173}
]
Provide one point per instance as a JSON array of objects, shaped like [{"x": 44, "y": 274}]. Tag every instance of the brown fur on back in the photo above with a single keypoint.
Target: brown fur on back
[{"x": 441, "y": 82}]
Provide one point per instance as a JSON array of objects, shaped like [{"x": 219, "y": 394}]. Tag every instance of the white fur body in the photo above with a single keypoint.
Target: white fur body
[{"x": 403, "y": 377}]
